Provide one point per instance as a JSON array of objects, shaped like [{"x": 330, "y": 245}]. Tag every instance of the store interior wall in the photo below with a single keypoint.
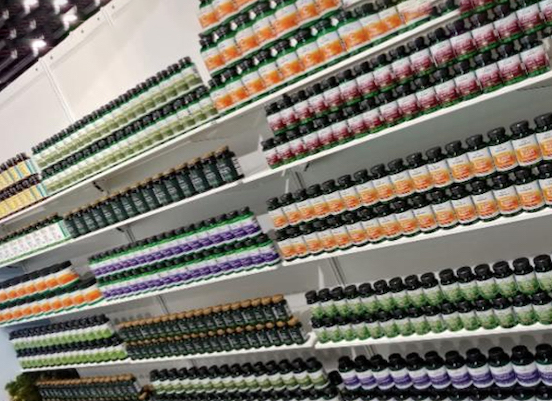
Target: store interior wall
[{"x": 122, "y": 45}]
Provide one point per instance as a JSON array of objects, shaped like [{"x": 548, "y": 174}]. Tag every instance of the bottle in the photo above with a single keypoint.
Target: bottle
[
  {"x": 504, "y": 277},
  {"x": 398, "y": 174},
  {"x": 457, "y": 370},
  {"x": 463, "y": 205},
  {"x": 380, "y": 369},
  {"x": 526, "y": 278},
  {"x": 510, "y": 65},
  {"x": 419, "y": 173},
  {"x": 443, "y": 209},
  {"x": 399, "y": 373},
  {"x": 501, "y": 368},
  {"x": 486, "y": 282},
  {"x": 478, "y": 368},
  {"x": 523, "y": 309},
  {"x": 424, "y": 214},
  {"x": 504, "y": 312},
  {"x": 488, "y": 73},
  {"x": 417, "y": 371},
  {"x": 467, "y": 283},
  {"x": 541, "y": 306},
  {"x": 435, "y": 367},
  {"x": 484, "y": 200},
  {"x": 364, "y": 373},
  {"x": 480, "y": 156},
  {"x": 438, "y": 167},
  {"x": 466, "y": 81},
  {"x": 543, "y": 360},
  {"x": 506, "y": 195},
  {"x": 502, "y": 150},
  {"x": 543, "y": 270},
  {"x": 525, "y": 369}
]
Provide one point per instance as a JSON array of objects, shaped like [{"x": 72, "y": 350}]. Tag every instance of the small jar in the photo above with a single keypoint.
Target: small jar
[
  {"x": 324, "y": 132},
  {"x": 332, "y": 94},
  {"x": 268, "y": 69},
  {"x": 297, "y": 144},
  {"x": 483, "y": 32},
  {"x": 388, "y": 222},
  {"x": 534, "y": 56},
  {"x": 348, "y": 193},
  {"x": 365, "y": 188},
  {"x": 545, "y": 181},
  {"x": 245, "y": 34},
  {"x": 401, "y": 65},
  {"x": 287, "y": 60},
  {"x": 506, "y": 195},
  {"x": 286, "y": 16},
  {"x": 420, "y": 57},
  {"x": 438, "y": 167},
  {"x": 424, "y": 214},
  {"x": 389, "y": 108},
  {"x": 484, "y": 200},
  {"x": 348, "y": 87},
  {"x": 328, "y": 40},
  {"x": 419, "y": 173},
  {"x": 227, "y": 45},
  {"x": 443, "y": 209},
  {"x": 543, "y": 128},
  {"x": 371, "y": 225},
  {"x": 466, "y": 80},
  {"x": 351, "y": 31},
  {"x": 207, "y": 15},
  {"x": 407, "y": 101},
  {"x": 355, "y": 120},
  {"x": 480, "y": 156},
  {"x": 310, "y": 138},
  {"x": 211, "y": 54},
  {"x": 426, "y": 95},
  {"x": 307, "y": 9},
  {"x": 287, "y": 112},
  {"x": 502, "y": 150},
  {"x": 251, "y": 78},
  {"x": 372, "y": 116},
  {"x": 507, "y": 25},
  {"x": 510, "y": 66},
  {"x": 406, "y": 218},
  {"x": 301, "y": 107},
  {"x": 383, "y": 73},
  {"x": 263, "y": 17},
  {"x": 307, "y": 49},
  {"x": 528, "y": 190},
  {"x": 333, "y": 197},
  {"x": 525, "y": 144},
  {"x": 318, "y": 201},
  {"x": 316, "y": 100},
  {"x": 458, "y": 162},
  {"x": 365, "y": 80},
  {"x": 398, "y": 174},
  {"x": 463, "y": 205},
  {"x": 461, "y": 40},
  {"x": 440, "y": 47},
  {"x": 445, "y": 88},
  {"x": 382, "y": 183},
  {"x": 389, "y": 16},
  {"x": 371, "y": 22},
  {"x": 487, "y": 72},
  {"x": 340, "y": 129},
  {"x": 274, "y": 118}
]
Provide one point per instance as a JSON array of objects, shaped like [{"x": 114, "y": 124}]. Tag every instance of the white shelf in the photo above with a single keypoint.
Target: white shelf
[
  {"x": 500, "y": 222},
  {"x": 78, "y": 366},
  {"x": 309, "y": 344},
  {"x": 137, "y": 297},
  {"x": 84, "y": 238},
  {"x": 242, "y": 112},
  {"x": 447, "y": 335}
]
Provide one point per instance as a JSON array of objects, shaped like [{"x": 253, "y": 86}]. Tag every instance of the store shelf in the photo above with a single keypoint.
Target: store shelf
[
  {"x": 440, "y": 114},
  {"x": 138, "y": 297},
  {"x": 87, "y": 237},
  {"x": 210, "y": 126},
  {"x": 426, "y": 239},
  {"x": 447, "y": 335},
  {"x": 78, "y": 366}
]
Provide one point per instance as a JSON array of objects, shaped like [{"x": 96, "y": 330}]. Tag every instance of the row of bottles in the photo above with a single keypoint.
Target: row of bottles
[{"x": 120, "y": 388}]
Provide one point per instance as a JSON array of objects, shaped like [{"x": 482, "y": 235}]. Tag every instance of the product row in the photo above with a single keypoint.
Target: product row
[
  {"x": 448, "y": 317},
  {"x": 240, "y": 338},
  {"x": 502, "y": 369},
  {"x": 211, "y": 13},
  {"x": 19, "y": 196},
  {"x": 248, "y": 312},
  {"x": 81, "y": 294},
  {"x": 33, "y": 238},
  {"x": 257, "y": 376},
  {"x": 464, "y": 284},
  {"x": 237, "y": 257},
  {"x": 120, "y": 388},
  {"x": 216, "y": 231},
  {"x": 110, "y": 349},
  {"x": 37, "y": 283},
  {"x": 423, "y": 213},
  {"x": 194, "y": 177},
  {"x": 327, "y": 41},
  {"x": 459, "y": 163},
  {"x": 151, "y": 94},
  {"x": 69, "y": 332},
  {"x": 347, "y": 117},
  {"x": 149, "y": 131}
]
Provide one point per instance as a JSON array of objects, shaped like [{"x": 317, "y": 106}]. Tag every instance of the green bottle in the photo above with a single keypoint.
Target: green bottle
[
  {"x": 526, "y": 278},
  {"x": 504, "y": 277}
]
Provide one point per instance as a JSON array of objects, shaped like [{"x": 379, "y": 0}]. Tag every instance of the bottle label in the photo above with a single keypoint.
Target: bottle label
[
  {"x": 511, "y": 67},
  {"x": 391, "y": 226},
  {"x": 289, "y": 64},
  {"x": 460, "y": 377},
  {"x": 353, "y": 35},
  {"x": 529, "y": 17},
  {"x": 546, "y": 188},
  {"x": 384, "y": 189},
  {"x": 302, "y": 110},
  {"x": 321, "y": 207},
  {"x": 247, "y": 40},
  {"x": 507, "y": 26},
  {"x": 330, "y": 44},
  {"x": 507, "y": 200},
  {"x": 383, "y": 379},
  {"x": 439, "y": 377},
  {"x": 440, "y": 173},
  {"x": 299, "y": 246},
  {"x": 545, "y": 143},
  {"x": 373, "y": 119},
  {"x": 484, "y": 35},
  {"x": 461, "y": 168},
  {"x": 297, "y": 146},
  {"x": 421, "y": 178},
  {"x": 312, "y": 142},
  {"x": 332, "y": 97},
  {"x": 286, "y": 249},
  {"x": 374, "y": 230},
  {"x": 504, "y": 156},
  {"x": 286, "y": 18},
  {"x": 527, "y": 150},
  {"x": 279, "y": 219},
  {"x": 349, "y": 90},
  {"x": 408, "y": 105},
  {"x": 307, "y": 9},
  {"x": 328, "y": 241},
  {"x": 366, "y": 83},
  {"x": 545, "y": 373},
  {"x": 340, "y": 130},
  {"x": 341, "y": 236},
  {"x": 444, "y": 214},
  {"x": 488, "y": 76},
  {"x": 530, "y": 196},
  {"x": 420, "y": 378},
  {"x": 367, "y": 380},
  {"x": 288, "y": 116},
  {"x": 357, "y": 233},
  {"x": 426, "y": 218},
  {"x": 368, "y": 193},
  {"x": 446, "y": 91},
  {"x": 402, "y": 68},
  {"x": 350, "y": 380},
  {"x": 408, "y": 222},
  {"x": 292, "y": 214},
  {"x": 486, "y": 205},
  {"x": 373, "y": 26},
  {"x": 482, "y": 162},
  {"x": 465, "y": 210},
  {"x": 527, "y": 375},
  {"x": 401, "y": 378},
  {"x": 351, "y": 198},
  {"x": 421, "y": 60},
  {"x": 317, "y": 103},
  {"x": 481, "y": 376},
  {"x": 335, "y": 202},
  {"x": 326, "y": 136},
  {"x": 390, "y": 18},
  {"x": 402, "y": 183},
  {"x": 314, "y": 244},
  {"x": 442, "y": 52},
  {"x": 467, "y": 84}
]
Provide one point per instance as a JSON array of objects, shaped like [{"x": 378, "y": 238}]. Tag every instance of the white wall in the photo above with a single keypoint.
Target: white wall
[{"x": 128, "y": 41}]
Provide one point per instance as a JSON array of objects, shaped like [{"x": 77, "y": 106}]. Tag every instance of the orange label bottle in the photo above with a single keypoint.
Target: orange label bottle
[
  {"x": 329, "y": 42},
  {"x": 309, "y": 54},
  {"x": 461, "y": 168},
  {"x": 408, "y": 222},
  {"x": 527, "y": 187},
  {"x": 464, "y": 208},
  {"x": 224, "y": 8},
  {"x": 327, "y": 5},
  {"x": 314, "y": 243},
  {"x": 351, "y": 197},
  {"x": 352, "y": 34},
  {"x": 484, "y": 201},
  {"x": 307, "y": 10},
  {"x": 527, "y": 150},
  {"x": 286, "y": 17},
  {"x": 403, "y": 184},
  {"x": 545, "y": 182},
  {"x": 443, "y": 210},
  {"x": 506, "y": 195},
  {"x": 328, "y": 241},
  {"x": 288, "y": 62},
  {"x": 207, "y": 16},
  {"x": 480, "y": 156}
]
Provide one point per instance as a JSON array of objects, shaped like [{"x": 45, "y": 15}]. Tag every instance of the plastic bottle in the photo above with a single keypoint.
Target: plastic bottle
[
  {"x": 478, "y": 368},
  {"x": 523, "y": 309},
  {"x": 468, "y": 283},
  {"x": 524, "y": 366},
  {"x": 543, "y": 270},
  {"x": 501, "y": 368},
  {"x": 438, "y": 167},
  {"x": 510, "y": 65},
  {"x": 504, "y": 277},
  {"x": 506, "y": 195},
  {"x": 480, "y": 156},
  {"x": 466, "y": 81},
  {"x": 399, "y": 373},
  {"x": 543, "y": 360},
  {"x": 443, "y": 209},
  {"x": 435, "y": 367},
  {"x": 488, "y": 73},
  {"x": 545, "y": 182},
  {"x": 417, "y": 371},
  {"x": 528, "y": 190},
  {"x": 506, "y": 25},
  {"x": 463, "y": 205}
]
